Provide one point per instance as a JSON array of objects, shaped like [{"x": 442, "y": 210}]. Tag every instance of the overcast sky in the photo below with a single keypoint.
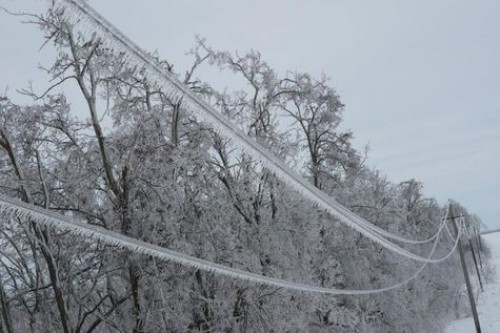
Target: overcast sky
[{"x": 420, "y": 79}]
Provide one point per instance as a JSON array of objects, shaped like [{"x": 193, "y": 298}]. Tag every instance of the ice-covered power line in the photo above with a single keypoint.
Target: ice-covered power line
[
  {"x": 92, "y": 23},
  {"x": 50, "y": 219},
  {"x": 389, "y": 235}
]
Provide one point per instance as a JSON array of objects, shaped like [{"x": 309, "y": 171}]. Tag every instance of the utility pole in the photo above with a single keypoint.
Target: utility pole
[
  {"x": 466, "y": 274},
  {"x": 478, "y": 234},
  {"x": 478, "y": 272},
  {"x": 479, "y": 249}
]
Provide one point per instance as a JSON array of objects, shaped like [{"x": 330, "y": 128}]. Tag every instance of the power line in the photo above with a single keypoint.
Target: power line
[
  {"x": 53, "y": 220},
  {"x": 83, "y": 15}
]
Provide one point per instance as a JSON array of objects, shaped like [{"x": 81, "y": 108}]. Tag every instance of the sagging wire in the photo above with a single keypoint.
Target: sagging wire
[
  {"x": 84, "y": 16},
  {"x": 56, "y": 221}
]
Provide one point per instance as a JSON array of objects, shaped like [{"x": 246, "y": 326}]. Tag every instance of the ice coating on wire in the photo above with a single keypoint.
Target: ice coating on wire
[
  {"x": 92, "y": 23},
  {"x": 57, "y": 221},
  {"x": 193, "y": 103}
]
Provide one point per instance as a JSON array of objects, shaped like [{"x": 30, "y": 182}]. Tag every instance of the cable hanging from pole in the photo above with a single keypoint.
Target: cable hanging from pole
[
  {"x": 95, "y": 26},
  {"x": 56, "y": 221}
]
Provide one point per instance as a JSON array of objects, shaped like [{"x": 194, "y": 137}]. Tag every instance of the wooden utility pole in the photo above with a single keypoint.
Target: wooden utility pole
[
  {"x": 478, "y": 235},
  {"x": 466, "y": 274},
  {"x": 478, "y": 272},
  {"x": 479, "y": 249}
]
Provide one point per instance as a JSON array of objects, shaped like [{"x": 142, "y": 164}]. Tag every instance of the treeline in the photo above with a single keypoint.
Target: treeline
[{"x": 130, "y": 160}]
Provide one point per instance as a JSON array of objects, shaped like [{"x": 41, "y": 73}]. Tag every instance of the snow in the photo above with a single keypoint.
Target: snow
[{"x": 489, "y": 302}]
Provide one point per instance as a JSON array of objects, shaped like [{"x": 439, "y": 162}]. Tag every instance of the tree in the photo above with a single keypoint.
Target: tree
[{"x": 135, "y": 163}]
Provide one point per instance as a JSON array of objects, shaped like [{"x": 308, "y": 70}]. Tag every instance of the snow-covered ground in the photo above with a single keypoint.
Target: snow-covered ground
[{"x": 488, "y": 305}]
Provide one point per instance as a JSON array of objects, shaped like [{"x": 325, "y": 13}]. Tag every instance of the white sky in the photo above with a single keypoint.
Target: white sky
[{"x": 420, "y": 79}]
